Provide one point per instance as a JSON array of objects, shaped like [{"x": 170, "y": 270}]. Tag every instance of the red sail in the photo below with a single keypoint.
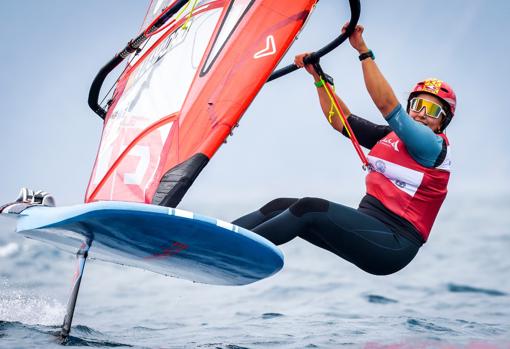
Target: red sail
[{"x": 180, "y": 97}]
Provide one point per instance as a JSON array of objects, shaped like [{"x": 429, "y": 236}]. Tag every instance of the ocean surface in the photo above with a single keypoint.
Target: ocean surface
[{"x": 455, "y": 294}]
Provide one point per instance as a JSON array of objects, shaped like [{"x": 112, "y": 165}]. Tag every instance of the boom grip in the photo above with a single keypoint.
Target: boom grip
[
  {"x": 355, "y": 6},
  {"x": 95, "y": 88}
]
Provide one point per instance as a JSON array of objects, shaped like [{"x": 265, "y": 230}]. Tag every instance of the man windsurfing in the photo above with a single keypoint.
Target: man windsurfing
[{"x": 409, "y": 168}]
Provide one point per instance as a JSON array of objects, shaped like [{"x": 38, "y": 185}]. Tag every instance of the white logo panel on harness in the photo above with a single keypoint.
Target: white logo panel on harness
[
  {"x": 403, "y": 178},
  {"x": 269, "y": 50}
]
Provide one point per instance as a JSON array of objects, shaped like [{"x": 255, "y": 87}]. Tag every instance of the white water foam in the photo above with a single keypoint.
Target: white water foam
[
  {"x": 9, "y": 249},
  {"x": 18, "y": 306}
]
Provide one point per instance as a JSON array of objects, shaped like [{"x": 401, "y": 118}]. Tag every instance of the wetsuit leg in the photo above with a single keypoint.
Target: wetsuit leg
[
  {"x": 344, "y": 231},
  {"x": 268, "y": 211}
]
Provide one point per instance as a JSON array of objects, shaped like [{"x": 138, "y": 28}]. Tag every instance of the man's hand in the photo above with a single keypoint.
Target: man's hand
[
  {"x": 299, "y": 61},
  {"x": 356, "y": 38}
]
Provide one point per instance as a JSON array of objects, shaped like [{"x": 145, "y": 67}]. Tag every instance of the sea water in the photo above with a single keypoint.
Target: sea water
[{"x": 455, "y": 294}]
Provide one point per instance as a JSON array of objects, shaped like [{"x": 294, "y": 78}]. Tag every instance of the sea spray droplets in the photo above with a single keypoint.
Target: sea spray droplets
[
  {"x": 9, "y": 250},
  {"x": 15, "y": 305}
]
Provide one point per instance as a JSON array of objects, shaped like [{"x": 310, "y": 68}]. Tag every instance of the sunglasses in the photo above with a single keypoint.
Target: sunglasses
[{"x": 432, "y": 109}]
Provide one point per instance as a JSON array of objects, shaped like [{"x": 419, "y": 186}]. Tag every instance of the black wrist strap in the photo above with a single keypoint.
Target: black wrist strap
[{"x": 365, "y": 55}]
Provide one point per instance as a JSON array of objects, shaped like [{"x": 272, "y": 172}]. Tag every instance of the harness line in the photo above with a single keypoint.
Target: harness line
[{"x": 335, "y": 104}]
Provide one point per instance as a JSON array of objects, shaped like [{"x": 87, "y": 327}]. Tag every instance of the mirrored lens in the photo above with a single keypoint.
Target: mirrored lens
[{"x": 431, "y": 109}]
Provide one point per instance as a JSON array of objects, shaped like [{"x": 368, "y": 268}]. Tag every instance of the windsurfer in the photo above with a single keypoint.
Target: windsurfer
[{"x": 406, "y": 183}]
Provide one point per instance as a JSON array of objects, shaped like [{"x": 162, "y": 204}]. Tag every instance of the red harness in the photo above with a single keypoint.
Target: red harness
[{"x": 410, "y": 190}]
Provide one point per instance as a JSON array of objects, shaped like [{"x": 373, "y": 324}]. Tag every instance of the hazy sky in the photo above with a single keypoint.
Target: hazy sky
[{"x": 51, "y": 51}]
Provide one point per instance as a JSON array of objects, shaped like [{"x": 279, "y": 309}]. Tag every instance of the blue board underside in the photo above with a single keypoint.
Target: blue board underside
[{"x": 160, "y": 239}]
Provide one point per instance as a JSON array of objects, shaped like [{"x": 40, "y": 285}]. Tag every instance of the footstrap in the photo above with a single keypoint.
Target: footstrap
[{"x": 28, "y": 198}]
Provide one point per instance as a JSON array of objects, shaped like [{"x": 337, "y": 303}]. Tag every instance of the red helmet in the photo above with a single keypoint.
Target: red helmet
[{"x": 441, "y": 90}]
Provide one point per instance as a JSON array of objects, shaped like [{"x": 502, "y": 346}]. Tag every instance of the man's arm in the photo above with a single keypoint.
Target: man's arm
[
  {"x": 426, "y": 147},
  {"x": 324, "y": 99},
  {"x": 367, "y": 133},
  {"x": 380, "y": 91}
]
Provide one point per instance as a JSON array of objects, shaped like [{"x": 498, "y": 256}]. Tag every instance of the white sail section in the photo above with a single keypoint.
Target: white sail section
[
  {"x": 155, "y": 86},
  {"x": 148, "y": 92},
  {"x": 184, "y": 89}
]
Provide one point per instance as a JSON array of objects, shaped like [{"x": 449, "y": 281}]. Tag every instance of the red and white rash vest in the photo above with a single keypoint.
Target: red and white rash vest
[{"x": 408, "y": 189}]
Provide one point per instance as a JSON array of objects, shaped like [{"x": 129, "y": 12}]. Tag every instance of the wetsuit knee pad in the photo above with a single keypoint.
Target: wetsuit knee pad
[
  {"x": 306, "y": 205},
  {"x": 277, "y": 205}
]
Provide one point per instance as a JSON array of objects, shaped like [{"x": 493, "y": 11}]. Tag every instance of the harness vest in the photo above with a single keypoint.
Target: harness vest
[{"x": 408, "y": 189}]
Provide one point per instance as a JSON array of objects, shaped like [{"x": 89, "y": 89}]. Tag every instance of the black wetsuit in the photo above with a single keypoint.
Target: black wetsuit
[{"x": 371, "y": 237}]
